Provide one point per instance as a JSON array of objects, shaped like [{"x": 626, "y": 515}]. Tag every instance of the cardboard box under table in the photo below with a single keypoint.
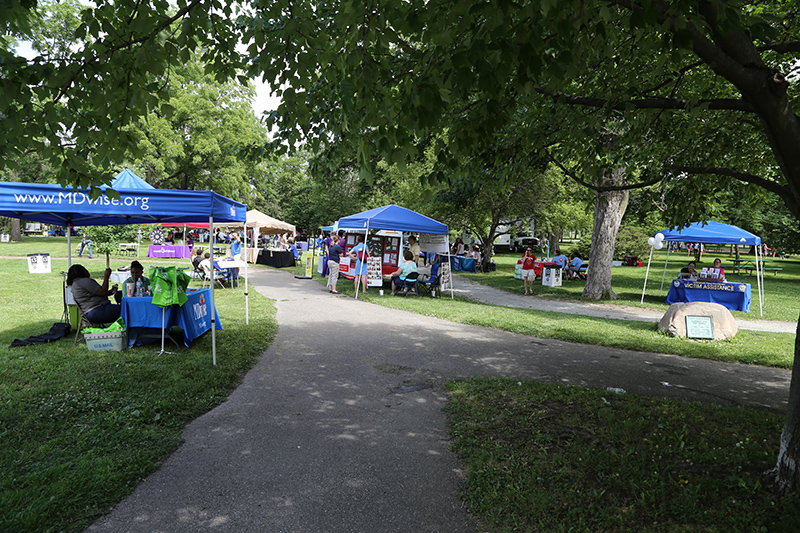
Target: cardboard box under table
[
  {"x": 112, "y": 341},
  {"x": 143, "y": 318}
]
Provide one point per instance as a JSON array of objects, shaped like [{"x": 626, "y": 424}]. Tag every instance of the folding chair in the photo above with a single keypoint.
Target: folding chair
[
  {"x": 427, "y": 283},
  {"x": 410, "y": 285},
  {"x": 207, "y": 276},
  {"x": 84, "y": 322}
]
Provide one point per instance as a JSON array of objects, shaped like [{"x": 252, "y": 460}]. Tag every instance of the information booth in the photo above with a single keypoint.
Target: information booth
[{"x": 385, "y": 251}]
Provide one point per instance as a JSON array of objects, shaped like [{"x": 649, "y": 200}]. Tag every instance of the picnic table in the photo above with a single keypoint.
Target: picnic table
[{"x": 749, "y": 265}]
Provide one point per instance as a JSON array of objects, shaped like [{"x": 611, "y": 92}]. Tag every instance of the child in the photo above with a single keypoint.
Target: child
[{"x": 528, "y": 273}]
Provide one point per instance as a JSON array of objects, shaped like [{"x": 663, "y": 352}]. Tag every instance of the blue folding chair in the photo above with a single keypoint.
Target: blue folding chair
[{"x": 428, "y": 282}]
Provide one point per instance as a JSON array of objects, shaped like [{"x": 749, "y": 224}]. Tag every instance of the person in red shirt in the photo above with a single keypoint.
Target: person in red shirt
[{"x": 528, "y": 273}]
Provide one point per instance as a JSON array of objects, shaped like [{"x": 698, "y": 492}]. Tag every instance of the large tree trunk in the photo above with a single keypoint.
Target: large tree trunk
[
  {"x": 786, "y": 475},
  {"x": 16, "y": 232},
  {"x": 609, "y": 207}
]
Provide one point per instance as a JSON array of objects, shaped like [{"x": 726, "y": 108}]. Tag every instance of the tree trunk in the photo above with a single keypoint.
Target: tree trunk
[
  {"x": 16, "y": 233},
  {"x": 609, "y": 207},
  {"x": 786, "y": 475}
]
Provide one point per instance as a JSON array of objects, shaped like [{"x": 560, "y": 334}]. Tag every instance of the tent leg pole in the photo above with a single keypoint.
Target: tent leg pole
[
  {"x": 213, "y": 305},
  {"x": 644, "y": 288},
  {"x": 246, "y": 297},
  {"x": 664, "y": 275}
]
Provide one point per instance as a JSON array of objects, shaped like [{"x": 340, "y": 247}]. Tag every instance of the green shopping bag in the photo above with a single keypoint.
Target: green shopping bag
[
  {"x": 168, "y": 286},
  {"x": 119, "y": 325}
]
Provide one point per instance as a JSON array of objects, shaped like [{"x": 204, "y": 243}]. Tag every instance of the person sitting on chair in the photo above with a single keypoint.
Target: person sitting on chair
[
  {"x": 399, "y": 276},
  {"x": 575, "y": 265},
  {"x": 92, "y": 297},
  {"x": 132, "y": 283},
  {"x": 560, "y": 259},
  {"x": 198, "y": 257}
]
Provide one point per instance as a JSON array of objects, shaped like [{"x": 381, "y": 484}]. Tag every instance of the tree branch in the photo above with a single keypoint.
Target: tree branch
[
  {"x": 781, "y": 48},
  {"x": 735, "y": 174},
  {"x": 647, "y": 103},
  {"x": 600, "y": 188}
]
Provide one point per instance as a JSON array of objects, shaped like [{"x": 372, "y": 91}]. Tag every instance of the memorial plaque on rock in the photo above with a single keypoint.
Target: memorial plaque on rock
[{"x": 699, "y": 327}]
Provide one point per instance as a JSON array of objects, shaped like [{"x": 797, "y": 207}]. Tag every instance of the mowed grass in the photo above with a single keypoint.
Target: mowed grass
[
  {"x": 782, "y": 291},
  {"x": 80, "y": 429},
  {"x": 750, "y": 347},
  {"x": 546, "y": 457}
]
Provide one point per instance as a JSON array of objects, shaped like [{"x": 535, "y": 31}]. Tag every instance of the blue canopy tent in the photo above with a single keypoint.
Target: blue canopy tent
[
  {"x": 395, "y": 218},
  {"x": 711, "y": 232},
  {"x": 138, "y": 203}
]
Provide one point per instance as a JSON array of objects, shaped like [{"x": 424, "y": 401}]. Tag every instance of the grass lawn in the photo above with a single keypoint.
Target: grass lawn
[
  {"x": 782, "y": 291},
  {"x": 546, "y": 457},
  {"x": 751, "y": 347},
  {"x": 80, "y": 429}
]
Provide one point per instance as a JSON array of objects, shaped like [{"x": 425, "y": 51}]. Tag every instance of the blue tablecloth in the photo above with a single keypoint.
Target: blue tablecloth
[
  {"x": 462, "y": 264},
  {"x": 142, "y": 317},
  {"x": 734, "y": 296}
]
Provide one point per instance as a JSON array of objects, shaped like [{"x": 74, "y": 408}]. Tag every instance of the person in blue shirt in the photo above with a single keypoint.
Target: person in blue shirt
[
  {"x": 560, "y": 259},
  {"x": 293, "y": 249},
  {"x": 360, "y": 253},
  {"x": 236, "y": 246},
  {"x": 574, "y": 265},
  {"x": 406, "y": 268}
]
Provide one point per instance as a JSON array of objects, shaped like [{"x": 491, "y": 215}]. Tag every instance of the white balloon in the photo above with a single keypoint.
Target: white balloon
[
  {"x": 659, "y": 245},
  {"x": 651, "y": 241},
  {"x": 659, "y": 237}
]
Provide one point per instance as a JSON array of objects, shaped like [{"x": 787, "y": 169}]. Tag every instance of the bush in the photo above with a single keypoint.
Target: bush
[{"x": 631, "y": 240}]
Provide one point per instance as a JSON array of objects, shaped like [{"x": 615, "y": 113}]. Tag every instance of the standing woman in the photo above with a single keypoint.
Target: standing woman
[
  {"x": 334, "y": 253},
  {"x": 360, "y": 252}
]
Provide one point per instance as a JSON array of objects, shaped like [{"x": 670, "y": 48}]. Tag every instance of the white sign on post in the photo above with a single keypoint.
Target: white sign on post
[
  {"x": 38, "y": 263},
  {"x": 5, "y": 237},
  {"x": 430, "y": 243}
]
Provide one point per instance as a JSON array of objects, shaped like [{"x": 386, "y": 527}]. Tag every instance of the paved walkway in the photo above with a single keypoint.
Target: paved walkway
[{"x": 339, "y": 426}]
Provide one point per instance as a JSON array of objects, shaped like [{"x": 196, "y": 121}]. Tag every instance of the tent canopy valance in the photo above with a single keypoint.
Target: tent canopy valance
[
  {"x": 68, "y": 206},
  {"x": 393, "y": 217},
  {"x": 711, "y": 232}
]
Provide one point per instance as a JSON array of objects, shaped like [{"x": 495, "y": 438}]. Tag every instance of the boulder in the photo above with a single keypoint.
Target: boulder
[{"x": 674, "y": 320}]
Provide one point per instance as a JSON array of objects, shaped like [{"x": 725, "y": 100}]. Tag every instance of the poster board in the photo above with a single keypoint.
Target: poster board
[
  {"x": 38, "y": 263},
  {"x": 430, "y": 243},
  {"x": 445, "y": 269},
  {"x": 374, "y": 272}
]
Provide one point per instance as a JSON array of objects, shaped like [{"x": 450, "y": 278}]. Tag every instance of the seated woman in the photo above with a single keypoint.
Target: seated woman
[
  {"x": 399, "y": 276},
  {"x": 92, "y": 297},
  {"x": 717, "y": 272},
  {"x": 692, "y": 269},
  {"x": 132, "y": 285}
]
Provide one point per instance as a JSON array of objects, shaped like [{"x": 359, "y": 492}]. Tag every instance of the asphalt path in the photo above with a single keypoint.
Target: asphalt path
[{"x": 339, "y": 426}]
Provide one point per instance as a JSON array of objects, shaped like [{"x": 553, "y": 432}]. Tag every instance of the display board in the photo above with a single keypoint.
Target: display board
[{"x": 374, "y": 272}]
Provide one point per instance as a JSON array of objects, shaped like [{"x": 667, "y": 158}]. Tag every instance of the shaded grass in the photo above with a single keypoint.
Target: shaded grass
[
  {"x": 80, "y": 429},
  {"x": 546, "y": 457}
]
